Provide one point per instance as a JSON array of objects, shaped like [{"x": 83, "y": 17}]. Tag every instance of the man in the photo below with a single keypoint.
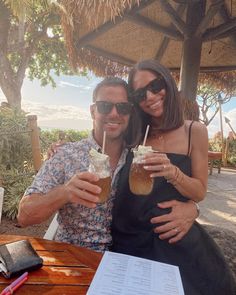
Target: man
[{"x": 63, "y": 183}]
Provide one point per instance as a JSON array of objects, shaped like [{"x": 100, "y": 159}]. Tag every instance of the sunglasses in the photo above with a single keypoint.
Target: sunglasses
[
  {"x": 122, "y": 108},
  {"x": 154, "y": 86}
]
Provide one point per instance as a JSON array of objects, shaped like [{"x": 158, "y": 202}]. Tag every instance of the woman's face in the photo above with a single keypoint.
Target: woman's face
[{"x": 153, "y": 104}]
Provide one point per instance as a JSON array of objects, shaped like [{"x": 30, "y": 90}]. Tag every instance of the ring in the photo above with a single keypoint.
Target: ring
[
  {"x": 176, "y": 229},
  {"x": 164, "y": 166}
]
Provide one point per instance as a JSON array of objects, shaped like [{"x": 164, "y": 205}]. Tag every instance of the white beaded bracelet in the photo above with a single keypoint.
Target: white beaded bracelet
[{"x": 197, "y": 207}]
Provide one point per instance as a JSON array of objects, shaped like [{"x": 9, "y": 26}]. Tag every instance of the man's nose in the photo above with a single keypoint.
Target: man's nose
[{"x": 113, "y": 111}]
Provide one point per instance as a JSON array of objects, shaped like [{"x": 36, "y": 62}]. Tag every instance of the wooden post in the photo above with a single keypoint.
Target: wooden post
[
  {"x": 192, "y": 46},
  {"x": 35, "y": 143},
  {"x": 226, "y": 151},
  {"x": 222, "y": 132}
]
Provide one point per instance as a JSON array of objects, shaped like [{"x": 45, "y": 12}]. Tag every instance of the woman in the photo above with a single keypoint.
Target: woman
[{"x": 180, "y": 172}]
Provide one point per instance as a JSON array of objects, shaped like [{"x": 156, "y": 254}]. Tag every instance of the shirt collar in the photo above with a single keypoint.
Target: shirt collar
[
  {"x": 95, "y": 145},
  {"x": 93, "y": 142}
]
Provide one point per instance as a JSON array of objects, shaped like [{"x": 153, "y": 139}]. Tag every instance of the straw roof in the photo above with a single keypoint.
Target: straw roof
[{"x": 109, "y": 36}]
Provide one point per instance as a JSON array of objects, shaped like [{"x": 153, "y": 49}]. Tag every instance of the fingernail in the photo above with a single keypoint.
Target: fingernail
[{"x": 146, "y": 167}]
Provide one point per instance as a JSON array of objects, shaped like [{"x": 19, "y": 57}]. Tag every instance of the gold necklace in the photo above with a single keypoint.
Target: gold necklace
[{"x": 157, "y": 134}]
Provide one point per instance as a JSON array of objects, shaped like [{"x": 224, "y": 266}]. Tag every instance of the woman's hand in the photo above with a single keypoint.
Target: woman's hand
[
  {"x": 159, "y": 165},
  {"x": 178, "y": 222}
]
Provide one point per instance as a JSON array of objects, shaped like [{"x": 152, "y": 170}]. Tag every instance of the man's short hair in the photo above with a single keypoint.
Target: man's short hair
[{"x": 109, "y": 81}]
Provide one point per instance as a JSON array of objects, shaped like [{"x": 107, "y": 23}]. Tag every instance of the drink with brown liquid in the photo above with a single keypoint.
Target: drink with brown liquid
[
  {"x": 99, "y": 164},
  {"x": 140, "y": 182},
  {"x": 105, "y": 185}
]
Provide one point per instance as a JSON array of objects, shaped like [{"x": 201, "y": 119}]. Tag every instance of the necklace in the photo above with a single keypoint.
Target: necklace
[{"x": 157, "y": 134}]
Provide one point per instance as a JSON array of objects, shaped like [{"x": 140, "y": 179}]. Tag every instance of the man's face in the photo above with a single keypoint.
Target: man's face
[{"x": 113, "y": 123}]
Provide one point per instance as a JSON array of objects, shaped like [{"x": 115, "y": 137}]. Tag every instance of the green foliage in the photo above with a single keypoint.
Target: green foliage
[
  {"x": 15, "y": 183},
  {"x": 24, "y": 8},
  {"x": 49, "y": 48},
  {"x": 215, "y": 145},
  {"x": 15, "y": 158},
  {"x": 208, "y": 100},
  {"x": 50, "y": 57},
  {"x": 16, "y": 155},
  {"x": 32, "y": 44},
  {"x": 52, "y": 136},
  {"x": 232, "y": 153},
  {"x": 15, "y": 147}
]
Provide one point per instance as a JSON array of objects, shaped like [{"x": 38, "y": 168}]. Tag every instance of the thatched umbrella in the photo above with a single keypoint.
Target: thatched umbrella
[{"x": 110, "y": 36}]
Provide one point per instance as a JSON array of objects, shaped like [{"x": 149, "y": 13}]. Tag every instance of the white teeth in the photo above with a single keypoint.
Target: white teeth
[{"x": 112, "y": 123}]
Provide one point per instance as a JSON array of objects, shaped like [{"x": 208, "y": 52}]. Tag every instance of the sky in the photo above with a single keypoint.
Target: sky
[{"x": 67, "y": 105}]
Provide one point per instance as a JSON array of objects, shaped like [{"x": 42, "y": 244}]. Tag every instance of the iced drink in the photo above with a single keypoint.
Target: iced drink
[
  {"x": 99, "y": 164},
  {"x": 140, "y": 182}
]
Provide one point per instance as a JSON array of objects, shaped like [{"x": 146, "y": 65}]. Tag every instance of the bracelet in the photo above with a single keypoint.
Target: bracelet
[
  {"x": 197, "y": 207},
  {"x": 178, "y": 178}
]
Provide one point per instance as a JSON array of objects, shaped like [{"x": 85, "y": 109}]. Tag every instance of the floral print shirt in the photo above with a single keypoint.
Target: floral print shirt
[{"x": 78, "y": 224}]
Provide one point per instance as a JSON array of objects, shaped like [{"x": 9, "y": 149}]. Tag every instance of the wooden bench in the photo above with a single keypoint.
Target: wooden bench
[{"x": 214, "y": 156}]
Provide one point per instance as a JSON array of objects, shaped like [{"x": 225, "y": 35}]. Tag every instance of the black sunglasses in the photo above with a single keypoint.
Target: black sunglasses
[
  {"x": 154, "y": 86},
  {"x": 122, "y": 108}
]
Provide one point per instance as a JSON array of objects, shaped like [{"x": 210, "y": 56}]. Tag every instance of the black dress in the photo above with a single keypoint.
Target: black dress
[{"x": 201, "y": 263}]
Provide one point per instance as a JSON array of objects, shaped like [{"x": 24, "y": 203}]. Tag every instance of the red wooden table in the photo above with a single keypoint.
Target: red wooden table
[{"x": 67, "y": 269}]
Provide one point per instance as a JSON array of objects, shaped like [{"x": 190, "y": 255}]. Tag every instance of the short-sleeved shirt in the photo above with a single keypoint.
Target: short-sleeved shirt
[{"x": 78, "y": 224}]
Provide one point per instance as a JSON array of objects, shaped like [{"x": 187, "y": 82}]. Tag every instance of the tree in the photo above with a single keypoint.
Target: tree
[
  {"x": 210, "y": 86},
  {"x": 31, "y": 43},
  {"x": 208, "y": 99}
]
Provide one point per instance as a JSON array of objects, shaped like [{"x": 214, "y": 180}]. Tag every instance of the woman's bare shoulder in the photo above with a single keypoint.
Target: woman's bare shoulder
[
  {"x": 197, "y": 127},
  {"x": 199, "y": 135}
]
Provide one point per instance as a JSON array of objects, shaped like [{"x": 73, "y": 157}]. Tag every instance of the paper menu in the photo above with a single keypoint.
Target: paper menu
[{"x": 120, "y": 274}]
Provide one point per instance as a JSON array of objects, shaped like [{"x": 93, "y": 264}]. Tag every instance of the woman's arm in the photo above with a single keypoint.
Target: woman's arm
[{"x": 193, "y": 187}]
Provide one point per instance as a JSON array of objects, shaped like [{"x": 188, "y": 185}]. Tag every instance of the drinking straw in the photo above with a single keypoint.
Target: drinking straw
[
  {"x": 15, "y": 284},
  {"x": 19, "y": 284},
  {"x": 146, "y": 134},
  {"x": 103, "y": 142}
]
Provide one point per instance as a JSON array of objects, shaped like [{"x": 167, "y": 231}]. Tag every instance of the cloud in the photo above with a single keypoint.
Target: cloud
[
  {"x": 59, "y": 116},
  {"x": 66, "y": 124},
  {"x": 215, "y": 124},
  {"x": 72, "y": 117},
  {"x": 69, "y": 84}
]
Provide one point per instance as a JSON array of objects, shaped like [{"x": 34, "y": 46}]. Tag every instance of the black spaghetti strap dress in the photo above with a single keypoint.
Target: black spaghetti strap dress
[{"x": 202, "y": 266}]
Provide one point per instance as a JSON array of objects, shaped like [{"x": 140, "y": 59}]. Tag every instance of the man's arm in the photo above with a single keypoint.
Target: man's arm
[
  {"x": 37, "y": 207},
  {"x": 178, "y": 222}
]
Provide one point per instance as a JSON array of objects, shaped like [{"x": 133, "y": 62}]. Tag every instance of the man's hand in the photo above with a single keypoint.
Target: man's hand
[
  {"x": 177, "y": 222},
  {"x": 82, "y": 189}
]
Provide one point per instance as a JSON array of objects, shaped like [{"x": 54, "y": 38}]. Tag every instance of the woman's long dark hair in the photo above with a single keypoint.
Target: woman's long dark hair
[{"x": 172, "y": 117}]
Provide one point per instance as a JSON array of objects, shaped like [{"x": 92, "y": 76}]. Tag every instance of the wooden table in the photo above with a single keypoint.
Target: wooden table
[{"x": 67, "y": 269}]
